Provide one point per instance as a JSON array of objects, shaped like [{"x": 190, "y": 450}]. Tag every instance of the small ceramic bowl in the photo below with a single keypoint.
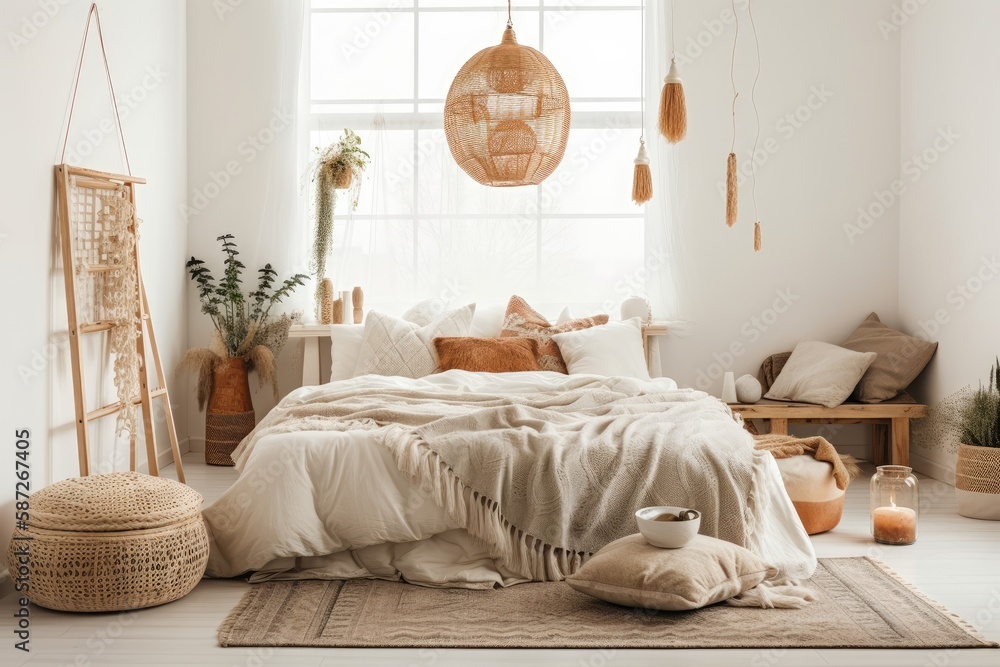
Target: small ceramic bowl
[{"x": 667, "y": 534}]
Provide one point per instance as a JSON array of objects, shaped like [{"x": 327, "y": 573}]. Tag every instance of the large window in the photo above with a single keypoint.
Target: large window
[{"x": 423, "y": 228}]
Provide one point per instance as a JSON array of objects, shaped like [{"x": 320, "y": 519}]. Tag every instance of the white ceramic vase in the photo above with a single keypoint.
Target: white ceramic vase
[{"x": 729, "y": 388}]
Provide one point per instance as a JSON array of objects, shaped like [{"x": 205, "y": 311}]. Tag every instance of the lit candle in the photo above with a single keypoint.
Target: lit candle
[{"x": 895, "y": 525}]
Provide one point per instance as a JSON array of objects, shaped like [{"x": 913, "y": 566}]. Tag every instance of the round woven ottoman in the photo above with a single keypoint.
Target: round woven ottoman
[
  {"x": 111, "y": 542},
  {"x": 813, "y": 490}
]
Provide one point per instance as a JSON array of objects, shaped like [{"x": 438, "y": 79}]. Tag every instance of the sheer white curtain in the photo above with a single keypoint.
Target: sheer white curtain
[
  {"x": 424, "y": 229},
  {"x": 666, "y": 284}
]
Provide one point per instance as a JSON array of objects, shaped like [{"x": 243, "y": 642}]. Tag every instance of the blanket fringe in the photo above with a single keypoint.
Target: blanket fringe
[
  {"x": 776, "y": 594},
  {"x": 523, "y": 554}
]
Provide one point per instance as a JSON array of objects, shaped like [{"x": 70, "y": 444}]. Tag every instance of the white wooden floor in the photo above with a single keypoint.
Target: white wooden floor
[{"x": 956, "y": 561}]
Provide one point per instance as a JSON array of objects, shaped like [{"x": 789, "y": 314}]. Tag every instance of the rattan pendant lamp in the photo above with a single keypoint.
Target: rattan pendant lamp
[{"x": 507, "y": 114}]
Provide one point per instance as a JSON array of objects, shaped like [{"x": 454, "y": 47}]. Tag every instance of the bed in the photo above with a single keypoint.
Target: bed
[{"x": 463, "y": 479}]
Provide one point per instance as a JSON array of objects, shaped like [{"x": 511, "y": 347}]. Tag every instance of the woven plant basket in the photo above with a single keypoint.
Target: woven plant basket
[
  {"x": 230, "y": 416},
  {"x": 111, "y": 542},
  {"x": 507, "y": 115},
  {"x": 977, "y": 482},
  {"x": 344, "y": 180}
]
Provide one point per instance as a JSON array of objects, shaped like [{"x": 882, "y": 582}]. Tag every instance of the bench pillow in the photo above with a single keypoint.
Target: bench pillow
[
  {"x": 900, "y": 359},
  {"x": 820, "y": 373}
]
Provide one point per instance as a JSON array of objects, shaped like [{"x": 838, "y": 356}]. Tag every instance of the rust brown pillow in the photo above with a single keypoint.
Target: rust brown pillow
[
  {"x": 522, "y": 321},
  {"x": 487, "y": 355}
]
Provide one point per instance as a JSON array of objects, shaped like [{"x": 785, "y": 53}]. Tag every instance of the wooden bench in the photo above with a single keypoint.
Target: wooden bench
[{"x": 890, "y": 421}]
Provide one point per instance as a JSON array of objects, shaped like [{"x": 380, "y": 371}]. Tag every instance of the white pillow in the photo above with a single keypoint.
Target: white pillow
[
  {"x": 488, "y": 321},
  {"x": 608, "y": 349},
  {"x": 564, "y": 316},
  {"x": 820, "y": 373},
  {"x": 345, "y": 349},
  {"x": 392, "y": 346},
  {"x": 424, "y": 312}
]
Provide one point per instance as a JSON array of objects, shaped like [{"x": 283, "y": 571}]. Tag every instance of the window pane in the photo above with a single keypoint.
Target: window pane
[
  {"x": 595, "y": 175},
  {"x": 597, "y": 53},
  {"x": 449, "y": 39},
  {"x": 378, "y": 255},
  {"x": 362, "y": 4},
  {"x": 358, "y": 56},
  {"x": 476, "y": 260},
  {"x": 591, "y": 264},
  {"x": 445, "y": 188},
  {"x": 387, "y": 186}
]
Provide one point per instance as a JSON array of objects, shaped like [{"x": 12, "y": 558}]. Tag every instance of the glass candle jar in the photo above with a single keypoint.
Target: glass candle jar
[{"x": 895, "y": 505}]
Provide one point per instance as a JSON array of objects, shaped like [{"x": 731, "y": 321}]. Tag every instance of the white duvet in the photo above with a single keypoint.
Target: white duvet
[{"x": 331, "y": 505}]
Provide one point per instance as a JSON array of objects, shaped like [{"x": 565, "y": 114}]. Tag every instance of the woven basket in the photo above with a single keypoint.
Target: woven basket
[
  {"x": 978, "y": 469},
  {"x": 507, "y": 115},
  {"x": 230, "y": 416},
  {"x": 111, "y": 542}
]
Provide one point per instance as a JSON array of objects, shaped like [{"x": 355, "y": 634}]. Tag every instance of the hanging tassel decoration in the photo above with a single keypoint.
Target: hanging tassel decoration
[
  {"x": 756, "y": 236},
  {"x": 673, "y": 108},
  {"x": 642, "y": 178},
  {"x": 732, "y": 190}
]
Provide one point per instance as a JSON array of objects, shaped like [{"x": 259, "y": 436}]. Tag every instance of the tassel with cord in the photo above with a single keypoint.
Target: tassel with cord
[
  {"x": 673, "y": 108},
  {"x": 732, "y": 190},
  {"x": 642, "y": 178},
  {"x": 756, "y": 236}
]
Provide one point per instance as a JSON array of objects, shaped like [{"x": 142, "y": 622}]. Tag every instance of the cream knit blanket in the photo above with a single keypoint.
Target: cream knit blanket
[{"x": 545, "y": 479}]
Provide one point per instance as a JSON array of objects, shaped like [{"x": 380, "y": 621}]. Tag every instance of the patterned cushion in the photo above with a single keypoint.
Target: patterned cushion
[
  {"x": 392, "y": 346},
  {"x": 487, "y": 355},
  {"x": 523, "y": 321}
]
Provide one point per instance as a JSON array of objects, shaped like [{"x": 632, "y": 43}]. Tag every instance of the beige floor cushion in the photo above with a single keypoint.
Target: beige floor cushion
[{"x": 813, "y": 490}]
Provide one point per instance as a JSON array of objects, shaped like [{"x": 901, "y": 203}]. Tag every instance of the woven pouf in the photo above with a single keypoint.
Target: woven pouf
[
  {"x": 813, "y": 490},
  {"x": 111, "y": 542}
]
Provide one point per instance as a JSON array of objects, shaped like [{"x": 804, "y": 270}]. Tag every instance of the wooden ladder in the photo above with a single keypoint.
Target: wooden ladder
[{"x": 68, "y": 177}]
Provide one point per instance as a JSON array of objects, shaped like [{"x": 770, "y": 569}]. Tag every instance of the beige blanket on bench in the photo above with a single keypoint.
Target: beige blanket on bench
[{"x": 845, "y": 468}]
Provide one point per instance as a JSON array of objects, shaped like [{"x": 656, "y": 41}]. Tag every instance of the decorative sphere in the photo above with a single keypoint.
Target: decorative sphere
[
  {"x": 748, "y": 389},
  {"x": 507, "y": 115}
]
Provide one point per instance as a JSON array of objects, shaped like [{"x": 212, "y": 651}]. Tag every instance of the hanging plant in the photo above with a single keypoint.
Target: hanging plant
[{"x": 338, "y": 167}]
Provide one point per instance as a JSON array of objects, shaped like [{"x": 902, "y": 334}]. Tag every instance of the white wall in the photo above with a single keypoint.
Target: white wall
[
  {"x": 817, "y": 172},
  {"x": 950, "y": 238},
  {"x": 242, "y": 151},
  {"x": 145, "y": 43}
]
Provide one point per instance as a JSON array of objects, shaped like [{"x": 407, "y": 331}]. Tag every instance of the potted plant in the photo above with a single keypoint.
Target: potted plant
[
  {"x": 338, "y": 167},
  {"x": 247, "y": 338},
  {"x": 977, "y": 472}
]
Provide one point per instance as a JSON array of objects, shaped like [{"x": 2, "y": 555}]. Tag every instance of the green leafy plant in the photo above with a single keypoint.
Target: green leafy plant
[
  {"x": 337, "y": 163},
  {"x": 980, "y": 418},
  {"x": 244, "y": 325}
]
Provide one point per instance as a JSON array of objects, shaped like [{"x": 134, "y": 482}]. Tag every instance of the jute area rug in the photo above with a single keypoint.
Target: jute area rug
[{"x": 861, "y": 605}]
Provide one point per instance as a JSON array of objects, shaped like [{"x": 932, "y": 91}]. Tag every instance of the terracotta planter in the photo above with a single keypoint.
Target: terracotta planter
[
  {"x": 344, "y": 180},
  {"x": 230, "y": 416},
  {"x": 977, "y": 482}
]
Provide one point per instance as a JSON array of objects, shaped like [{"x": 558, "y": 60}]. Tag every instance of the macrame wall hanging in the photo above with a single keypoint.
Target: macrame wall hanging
[
  {"x": 99, "y": 234},
  {"x": 732, "y": 177},
  {"x": 507, "y": 114}
]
